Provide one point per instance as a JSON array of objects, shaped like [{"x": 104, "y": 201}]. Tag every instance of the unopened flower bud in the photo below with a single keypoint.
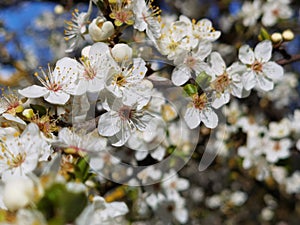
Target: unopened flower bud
[
  {"x": 121, "y": 52},
  {"x": 288, "y": 35},
  {"x": 18, "y": 193},
  {"x": 28, "y": 113},
  {"x": 59, "y": 9},
  {"x": 276, "y": 37},
  {"x": 100, "y": 29}
]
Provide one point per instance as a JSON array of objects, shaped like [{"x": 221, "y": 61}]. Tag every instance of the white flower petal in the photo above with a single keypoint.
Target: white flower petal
[
  {"x": 264, "y": 83},
  {"x": 220, "y": 101},
  {"x": 140, "y": 155},
  {"x": 139, "y": 68},
  {"x": 34, "y": 91},
  {"x": 192, "y": 117},
  {"x": 98, "y": 50},
  {"x": 204, "y": 25},
  {"x": 269, "y": 19},
  {"x": 121, "y": 137},
  {"x": 13, "y": 118},
  {"x": 246, "y": 55},
  {"x": 180, "y": 75},
  {"x": 209, "y": 118},
  {"x": 158, "y": 153},
  {"x": 81, "y": 88},
  {"x": 263, "y": 51},
  {"x": 95, "y": 85},
  {"x": 203, "y": 50},
  {"x": 217, "y": 63},
  {"x": 249, "y": 80},
  {"x": 66, "y": 73},
  {"x": 182, "y": 184},
  {"x": 109, "y": 124},
  {"x": 57, "y": 97},
  {"x": 181, "y": 215},
  {"x": 273, "y": 70},
  {"x": 237, "y": 89}
]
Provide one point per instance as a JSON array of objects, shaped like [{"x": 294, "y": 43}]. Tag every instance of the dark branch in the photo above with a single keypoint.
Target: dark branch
[{"x": 293, "y": 58}]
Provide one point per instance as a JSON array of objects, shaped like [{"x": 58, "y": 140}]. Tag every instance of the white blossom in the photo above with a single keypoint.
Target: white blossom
[
  {"x": 276, "y": 150},
  {"x": 250, "y": 12},
  {"x": 10, "y": 106},
  {"x": 172, "y": 182},
  {"x": 189, "y": 62},
  {"x": 129, "y": 84},
  {"x": 280, "y": 129},
  {"x": 102, "y": 213},
  {"x": 20, "y": 154},
  {"x": 145, "y": 18},
  {"x": 261, "y": 71},
  {"x": 293, "y": 183},
  {"x": 198, "y": 31},
  {"x": 76, "y": 28},
  {"x": 94, "y": 68},
  {"x": 199, "y": 110},
  {"x": 58, "y": 85},
  {"x": 226, "y": 80},
  {"x": 121, "y": 121},
  {"x": 274, "y": 10},
  {"x": 80, "y": 141}
]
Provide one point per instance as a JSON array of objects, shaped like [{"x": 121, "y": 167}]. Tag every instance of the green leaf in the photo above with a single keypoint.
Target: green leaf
[
  {"x": 60, "y": 205},
  {"x": 72, "y": 204},
  {"x": 190, "y": 89},
  {"x": 203, "y": 80}
]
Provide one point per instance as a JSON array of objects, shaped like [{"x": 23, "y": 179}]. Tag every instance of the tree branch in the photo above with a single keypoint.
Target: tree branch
[{"x": 294, "y": 58}]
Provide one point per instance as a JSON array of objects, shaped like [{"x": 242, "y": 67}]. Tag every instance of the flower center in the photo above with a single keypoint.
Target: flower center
[
  {"x": 45, "y": 124},
  {"x": 257, "y": 66},
  {"x": 119, "y": 80},
  {"x": 190, "y": 61},
  {"x": 277, "y": 147},
  {"x": 200, "y": 101},
  {"x": 54, "y": 87},
  {"x": 275, "y": 12},
  {"x": 125, "y": 113},
  {"x": 121, "y": 15},
  {"x": 89, "y": 72},
  {"x": 221, "y": 83},
  {"x": 17, "y": 160},
  {"x": 173, "y": 45}
]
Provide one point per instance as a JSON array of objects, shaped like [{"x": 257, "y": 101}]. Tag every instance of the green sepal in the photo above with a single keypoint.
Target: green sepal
[
  {"x": 203, "y": 80},
  {"x": 264, "y": 35},
  {"x": 82, "y": 169},
  {"x": 190, "y": 89}
]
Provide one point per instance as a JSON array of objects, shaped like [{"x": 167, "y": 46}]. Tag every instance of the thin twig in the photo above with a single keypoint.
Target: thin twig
[{"x": 294, "y": 58}]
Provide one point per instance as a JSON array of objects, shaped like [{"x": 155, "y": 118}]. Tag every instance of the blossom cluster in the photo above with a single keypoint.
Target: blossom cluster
[{"x": 129, "y": 111}]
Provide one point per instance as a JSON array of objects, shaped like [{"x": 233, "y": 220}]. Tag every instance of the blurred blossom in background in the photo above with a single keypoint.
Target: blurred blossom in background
[{"x": 255, "y": 178}]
